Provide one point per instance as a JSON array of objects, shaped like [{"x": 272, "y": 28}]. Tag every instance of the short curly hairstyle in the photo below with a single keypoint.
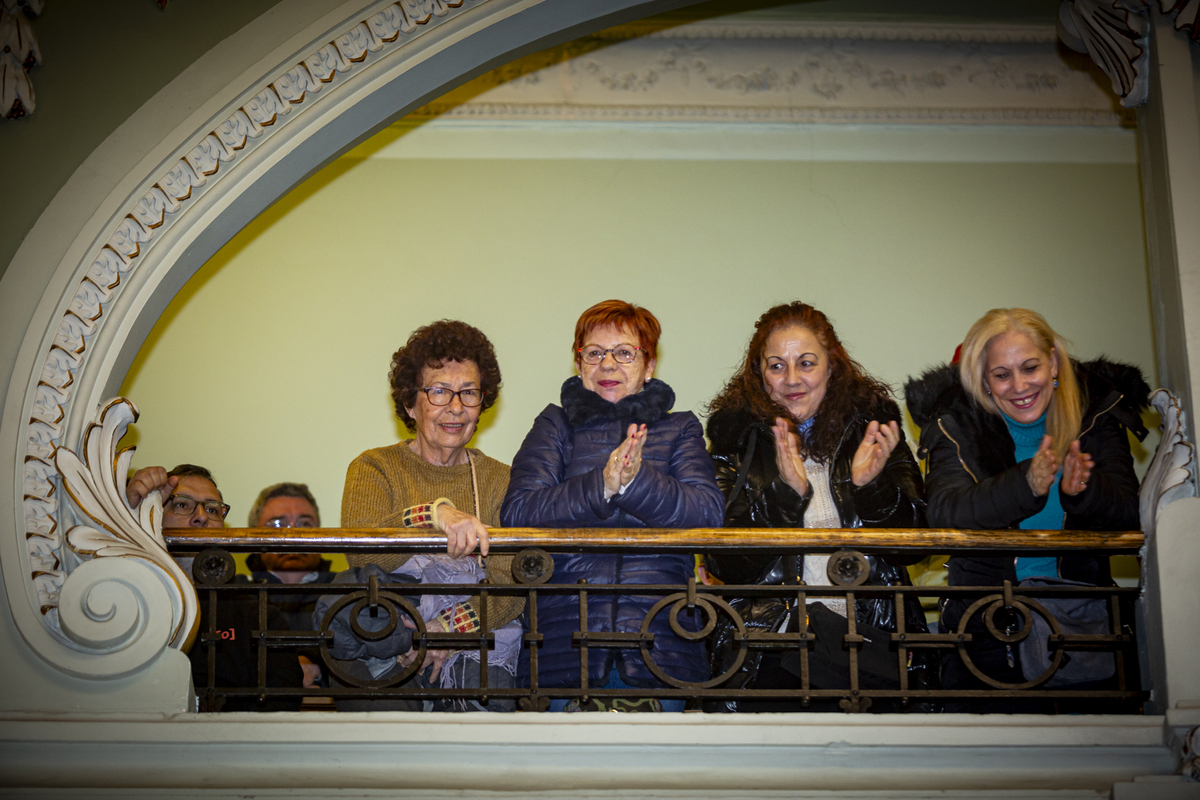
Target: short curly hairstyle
[{"x": 433, "y": 345}]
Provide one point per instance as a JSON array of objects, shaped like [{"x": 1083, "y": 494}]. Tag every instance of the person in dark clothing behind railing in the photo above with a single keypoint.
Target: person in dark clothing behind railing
[
  {"x": 614, "y": 455},
  {"x": 291, "y": 505},
  {"x": 192, "y": 500},
  {"x": 803, "y": 437},
  {"x": 1018, "y": 435}
]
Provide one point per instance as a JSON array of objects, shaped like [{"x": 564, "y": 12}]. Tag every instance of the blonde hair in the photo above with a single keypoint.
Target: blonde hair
[{"x": 1065, "y": 413}]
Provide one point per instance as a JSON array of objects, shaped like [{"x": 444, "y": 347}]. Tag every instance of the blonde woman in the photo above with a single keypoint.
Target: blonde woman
[{"x": 1018, "y": 435}]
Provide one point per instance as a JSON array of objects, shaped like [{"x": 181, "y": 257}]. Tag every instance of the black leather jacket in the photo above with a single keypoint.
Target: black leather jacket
[
  {"x": 974, "y": 481},
  {"x": 893, "y": 500},
  {"x": 744, "y": 453}
]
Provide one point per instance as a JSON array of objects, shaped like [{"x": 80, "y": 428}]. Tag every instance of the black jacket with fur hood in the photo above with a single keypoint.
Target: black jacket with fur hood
[
  {"x": 743, "y": 450},
  {"x": 973, "y": 480}
]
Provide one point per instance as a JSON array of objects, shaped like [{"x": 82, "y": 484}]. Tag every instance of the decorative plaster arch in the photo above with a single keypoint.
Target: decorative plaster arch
[{"x": 234, "y": 150}]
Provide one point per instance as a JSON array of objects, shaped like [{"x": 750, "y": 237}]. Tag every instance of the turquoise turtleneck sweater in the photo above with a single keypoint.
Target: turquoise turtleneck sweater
[{"x": 1027, "y": 437}]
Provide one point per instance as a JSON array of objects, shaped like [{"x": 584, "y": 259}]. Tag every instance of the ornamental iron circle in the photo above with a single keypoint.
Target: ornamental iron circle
[
  {"x": 677, "y": 602},
  {"x": 848, "y": 568},
  {"x": 213, "y": 567},
  {"x": 989, "y": 619},
  {"x": 373, "y": 636},
  {"x": 532, "y": 566},
  {"x": 995, "y": 601},
  {"x": 710, "y": 617},
  {"x": 360, "y": 600}
]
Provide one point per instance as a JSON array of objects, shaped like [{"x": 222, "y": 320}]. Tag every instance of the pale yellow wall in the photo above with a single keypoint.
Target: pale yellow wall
[{"x": 271, "y": 364}]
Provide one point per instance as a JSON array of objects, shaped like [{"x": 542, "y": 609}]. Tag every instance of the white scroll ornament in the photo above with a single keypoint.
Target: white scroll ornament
[
  {"x": 131, "y": 597},
  {"x": 1171, "y": 475}
]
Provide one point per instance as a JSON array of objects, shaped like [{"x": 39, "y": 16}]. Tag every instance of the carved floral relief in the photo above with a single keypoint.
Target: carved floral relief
[
  {"x": 797, "y": 73},
  {"x": 71, "y": 593},
  {"x": 19, "y": 53}
]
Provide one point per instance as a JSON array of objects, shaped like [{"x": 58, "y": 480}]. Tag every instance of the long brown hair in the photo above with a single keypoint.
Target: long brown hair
[
  {"x": 850, "y": 392},
  {"x": 1065, "y": 413}
]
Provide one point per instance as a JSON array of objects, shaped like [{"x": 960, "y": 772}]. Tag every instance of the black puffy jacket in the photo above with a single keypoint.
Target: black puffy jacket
[
  {"x": 973, "y": 480},
  {"x": 741, "y": 443},
  {"x": 557, "y": 482}
]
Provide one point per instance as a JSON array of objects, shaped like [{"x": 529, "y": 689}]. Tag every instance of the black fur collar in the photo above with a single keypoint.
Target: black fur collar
[
  {"x": 729, "y": 430},
  {"x": 935, "y": 391},
  {"x": 939, "y": 389},
  {"x": 583, "y": 406}
]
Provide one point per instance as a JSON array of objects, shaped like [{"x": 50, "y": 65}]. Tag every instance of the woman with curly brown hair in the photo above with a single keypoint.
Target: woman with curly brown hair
[
  {"x": 442, "y": 380},
  {"x": 802, "y": 437}
]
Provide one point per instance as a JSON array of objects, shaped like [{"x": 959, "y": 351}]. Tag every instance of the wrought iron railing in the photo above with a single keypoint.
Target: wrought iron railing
[{"x": 532, "y": 577}]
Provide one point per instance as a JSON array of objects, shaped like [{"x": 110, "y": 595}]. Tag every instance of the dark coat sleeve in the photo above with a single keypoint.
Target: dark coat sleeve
[
  {"x": 896, "y": 498},
  {"x": 538, "y": 494},
  {"x": 1110, "y": 501},
  {"x": 686, "y": 495},
  {"x": 764, "y": 501},
  {"x": 957, "y": 500}
]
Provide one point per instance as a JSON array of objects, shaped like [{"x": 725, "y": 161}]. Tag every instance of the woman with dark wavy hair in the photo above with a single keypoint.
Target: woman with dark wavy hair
[
  {"x": 442, "y": 379},
  {"x": 803, "y": 437}
]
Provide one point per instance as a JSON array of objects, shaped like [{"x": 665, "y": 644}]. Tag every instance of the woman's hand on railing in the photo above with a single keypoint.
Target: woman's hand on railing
[
  {"x": 1042, "y": 468},
  {"x": 873, "y": 452},
  {"x": 463, "y": 532},
  {"x": 787, "y": 456},
  {"x": 1077, "y": 470}
]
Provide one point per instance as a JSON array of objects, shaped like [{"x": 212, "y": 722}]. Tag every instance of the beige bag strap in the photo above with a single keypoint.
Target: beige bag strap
[
  {"x": 475, "y": 495},
  {"x": 474, "y": 484}
]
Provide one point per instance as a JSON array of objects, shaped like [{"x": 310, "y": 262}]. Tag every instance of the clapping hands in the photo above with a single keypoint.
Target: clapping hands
[
  {"x": 787, "y": 456},
  {"x": 1042, "y": 468},
  {"x": 1077, "y": 470},
  {"x": 873, "y": 451},
  {"x": 625, "y": 462},
  {"x": 1076, "y": 467}
]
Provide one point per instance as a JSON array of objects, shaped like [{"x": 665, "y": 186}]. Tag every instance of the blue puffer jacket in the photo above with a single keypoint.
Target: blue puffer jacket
[{"x": 557, "y": 482}]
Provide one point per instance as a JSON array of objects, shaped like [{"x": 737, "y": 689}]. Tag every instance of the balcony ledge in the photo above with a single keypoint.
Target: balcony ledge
[{"x": 700, "y": 755}]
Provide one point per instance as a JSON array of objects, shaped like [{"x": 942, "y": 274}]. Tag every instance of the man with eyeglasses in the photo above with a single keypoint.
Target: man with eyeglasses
[
  {"x": 190, "y": 495},
  {"x": 191, "y": 499},
  {"x": 291, "y": 505}
]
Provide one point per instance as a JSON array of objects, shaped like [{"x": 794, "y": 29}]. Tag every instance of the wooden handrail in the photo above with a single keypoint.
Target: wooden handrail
[{"x": 510, "y": 540}]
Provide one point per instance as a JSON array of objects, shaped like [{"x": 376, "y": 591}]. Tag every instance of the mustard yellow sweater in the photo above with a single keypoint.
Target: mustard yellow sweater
[{"x": 382, "y": 483}]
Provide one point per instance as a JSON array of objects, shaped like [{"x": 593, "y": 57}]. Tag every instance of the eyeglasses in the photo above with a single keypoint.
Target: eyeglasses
[
  {"x": 183, "y": 505},
  {"x": 283, "y": 522},
  {"x": 441, "y": 396},
  {"x": 594, "y": 354}
]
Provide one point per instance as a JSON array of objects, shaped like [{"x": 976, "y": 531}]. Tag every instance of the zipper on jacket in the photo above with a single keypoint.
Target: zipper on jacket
[
  {"x": 958, "y": 449},
  {"x": 1120, "y": 397},
  {"x": 1099, "y": 414}
]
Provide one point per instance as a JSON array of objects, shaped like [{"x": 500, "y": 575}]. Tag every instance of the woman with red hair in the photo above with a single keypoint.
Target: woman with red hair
[{"x": 612, "y": 455}]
